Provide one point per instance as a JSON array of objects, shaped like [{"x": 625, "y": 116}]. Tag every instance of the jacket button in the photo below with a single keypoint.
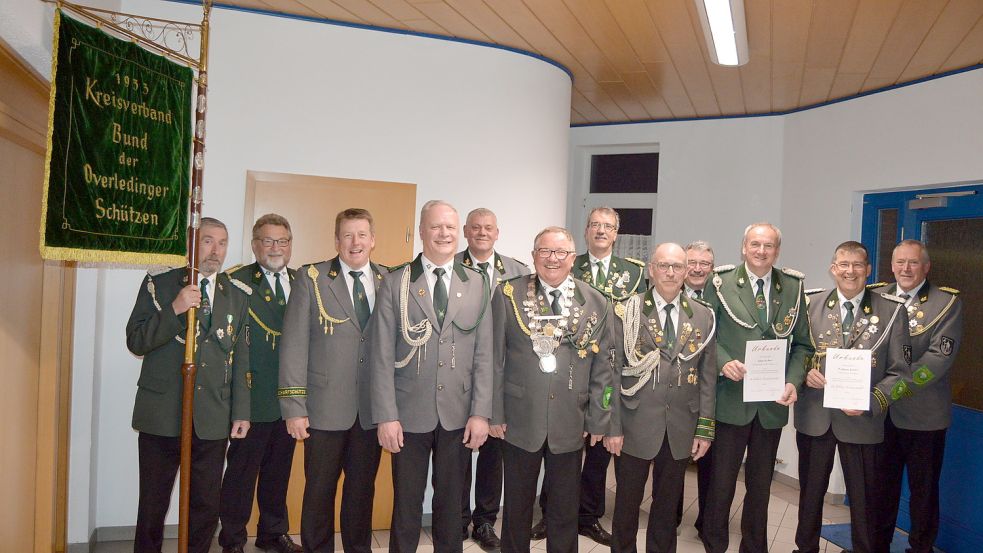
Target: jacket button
[
  {"x": 552, "y": 396},
  {"x": 441, "y": 340},
  {"x": 362, "y": 339},
  {"x": 198, "y": 387},
  {"x": 440, "y": 387},
  {"x": 361, "y": 360},
  {"x": 440, "y": 364}
]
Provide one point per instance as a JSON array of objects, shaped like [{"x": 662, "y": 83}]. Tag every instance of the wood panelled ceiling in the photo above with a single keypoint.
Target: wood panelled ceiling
[{"x": 637, "y": 60}]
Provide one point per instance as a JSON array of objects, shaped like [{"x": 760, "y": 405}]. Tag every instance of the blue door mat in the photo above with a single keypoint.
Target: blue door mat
[{"x": 839, "y": 535}]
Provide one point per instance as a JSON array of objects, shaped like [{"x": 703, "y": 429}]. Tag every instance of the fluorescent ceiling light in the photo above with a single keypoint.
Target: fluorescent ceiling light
[{"x": 725, "y": 30}]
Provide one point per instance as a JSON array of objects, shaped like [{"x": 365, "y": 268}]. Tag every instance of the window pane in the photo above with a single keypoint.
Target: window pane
[
  {"x": 887, "y": 238},
  {"x": 624, "y": 173},
  {"x": 957, "y": 261}
]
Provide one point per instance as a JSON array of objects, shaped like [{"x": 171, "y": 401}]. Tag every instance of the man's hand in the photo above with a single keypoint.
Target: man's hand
[
  {"x": 475, "y": 432},
  {"x": 596, "y": 438},
  {"x": 391, "y": 436},
  {"x": 613, "y": 444},
  {"x": 815, "y": 379},
  {"x": 188, "y": 297},
  {"x": 789, "y": 397},
  {"x": 700, "y": 448},
  {"x": 498, "y": 431},
  {"x": 297, "y": 427},
  {"x": 239, "y": 429},
  {"x": 853, "y": 412},
  {"x": 734, "y": 370}
]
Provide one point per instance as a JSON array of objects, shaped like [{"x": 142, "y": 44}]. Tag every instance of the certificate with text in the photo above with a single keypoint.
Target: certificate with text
[
  {"x": 764, "y": 361},
  {"x": 847, "y": 379}
]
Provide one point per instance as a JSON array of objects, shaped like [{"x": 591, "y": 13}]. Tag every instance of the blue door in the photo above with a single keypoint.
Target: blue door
[{"x": 950, "y": 223}]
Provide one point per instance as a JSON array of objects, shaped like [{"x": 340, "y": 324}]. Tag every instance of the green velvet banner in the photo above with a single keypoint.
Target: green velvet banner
[{"x": 119, "y": 147}]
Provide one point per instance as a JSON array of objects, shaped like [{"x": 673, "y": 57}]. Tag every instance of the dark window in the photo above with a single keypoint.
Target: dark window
[
  {"x": 624, "y": 173},
  {"x": 635, "y": 221},
  {"x": 887, "y": 232}
]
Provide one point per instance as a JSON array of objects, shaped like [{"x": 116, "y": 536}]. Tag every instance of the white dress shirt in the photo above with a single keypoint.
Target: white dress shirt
[
  {"x": 366, "y": 280},
  {"x": 428, "y": 268},
  {"x": 284, "y": 280},
  {"x": 605, "y": 262}
]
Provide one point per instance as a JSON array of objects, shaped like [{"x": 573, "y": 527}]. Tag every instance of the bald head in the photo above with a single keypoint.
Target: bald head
[{"x": 667, "y": 269}]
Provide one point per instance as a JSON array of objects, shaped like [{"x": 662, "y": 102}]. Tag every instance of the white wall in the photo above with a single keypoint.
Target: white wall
[
  {"x": 25, "y": 25},
  {"x": 473, "y": 125},
  {"x": 805, "y": 172},
  {"x": 715, "y": 176}
]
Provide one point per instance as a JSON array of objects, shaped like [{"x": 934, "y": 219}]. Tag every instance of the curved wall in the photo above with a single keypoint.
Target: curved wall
[{"x": 473, "y": 125}]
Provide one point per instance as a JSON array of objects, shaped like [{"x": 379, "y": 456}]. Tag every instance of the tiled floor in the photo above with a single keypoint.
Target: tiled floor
[{"x": 782, "y": 519}]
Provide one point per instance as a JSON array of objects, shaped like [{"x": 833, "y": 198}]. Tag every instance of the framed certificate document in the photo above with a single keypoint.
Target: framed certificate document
[
  {"x": 764, "y": 361},
  {"x": 847, "y": 379}
]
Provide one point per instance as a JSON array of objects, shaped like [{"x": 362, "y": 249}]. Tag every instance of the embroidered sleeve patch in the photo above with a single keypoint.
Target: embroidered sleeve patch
[
  {"x": 706, "y": 428},
  {"x": 606, "y": 398},
  {"x": 946, "y": 346},
  {"x": 923, "y": 376},
  {"x": 296, "y": 391},
  {"x": 900, "y": 390},
  {"x": 907, "y": 353}
]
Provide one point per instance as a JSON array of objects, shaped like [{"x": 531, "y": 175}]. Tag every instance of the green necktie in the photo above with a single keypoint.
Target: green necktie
[
  {"x": 440, "y": 295},
  {"x": 281, "y": 298},
  {"x": 360, "y": 300},
  {"x": 483, "y": 265},
  {"x": 669, "y": 329},
  {"x": 602, "y": 277},
  {"x": 848, "y": 320},
  {"x": 555, "y": 304},
  {"x": 697, "y": 294},
  {"x": 761, "y": 304},
  {"x": 205, "y": 312}
]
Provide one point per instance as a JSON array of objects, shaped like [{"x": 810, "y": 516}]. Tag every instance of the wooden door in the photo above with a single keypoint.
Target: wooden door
[
  {"x": 36, "y": 322},
  {"x": 311, "y": 203}
]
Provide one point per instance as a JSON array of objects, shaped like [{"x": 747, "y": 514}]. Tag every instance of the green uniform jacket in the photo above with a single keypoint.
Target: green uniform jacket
[
  {"x": 265, "y": 327},
  {"x": 222, "y": 357},
  {"x": 732, "y": 297},
  {"x": 626, "y": 277}
]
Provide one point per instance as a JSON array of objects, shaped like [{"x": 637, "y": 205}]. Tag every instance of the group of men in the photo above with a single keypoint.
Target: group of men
[{"x": 553, "y": 371}]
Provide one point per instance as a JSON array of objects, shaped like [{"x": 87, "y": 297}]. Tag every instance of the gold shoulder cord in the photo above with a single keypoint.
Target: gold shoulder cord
[
  {"x": 327, "y": 321},
  {"x": 269, "y": 331},
  {"x": 508, "y": 290},
  {"x": 938, "y": 317}
]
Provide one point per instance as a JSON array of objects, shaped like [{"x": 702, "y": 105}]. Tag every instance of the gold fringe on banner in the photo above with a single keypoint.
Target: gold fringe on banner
[{"x": 51, "y": 129}]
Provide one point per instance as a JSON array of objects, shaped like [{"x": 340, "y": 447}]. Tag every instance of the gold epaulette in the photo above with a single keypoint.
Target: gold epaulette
[
  {"x": 793, "y": 273},
  {"x": 635, "y": 261},
  {"x": 873, "y": 285},
  {"x": 952, "y": 291},
  {"x": 233, "y": 268}
]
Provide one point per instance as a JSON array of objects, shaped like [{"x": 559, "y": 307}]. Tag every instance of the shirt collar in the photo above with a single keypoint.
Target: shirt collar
[
  {"x": 754, "y": 278},
  {"x": 854, "y": 300},
  {"x": 429, "y": 266},
  {"x": 913, "y": 292},
  {"x": 474, "y": 257},
  {"x": 606, "y": 260},
  {"x": 661, "y": 303},
  {"x": 345, "y": 269},
  {"x": 563, "y": 287}
]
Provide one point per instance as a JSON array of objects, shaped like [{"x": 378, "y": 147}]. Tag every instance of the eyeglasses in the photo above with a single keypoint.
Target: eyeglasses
[
  {"x": 664, "y": 267},
  {"x": 595, "y": 225},
  {"x": 845, "y": 265},
  {"x": 700, "y": 264},
  {"x": 268, "y": 242},
  {"x": 545, "y": 253}
]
